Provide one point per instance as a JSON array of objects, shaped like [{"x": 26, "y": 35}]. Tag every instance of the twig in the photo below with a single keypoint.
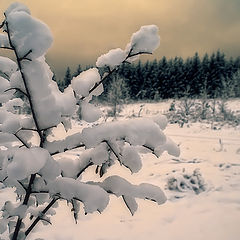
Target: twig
[
  {"x": 9, "y": 48},
  {"x": 67, "y": 149},
  {"x": 2, "y": 24},
  {"x": 21, "y": 140},
  {"x": 114, "y": 69},
  {"x": 18, "y": 89},
  {"x": 4, "y": 74},
  {"x": 118, "y": 155},
  {"x": 102, "y": 80},
  {"x": 82, "y": 170},
  {"x": 151, "y": 149},
  {"x": 22, "y": 185},
  {"x": 25, "y": 56},
  {"x": 40, "y": 217}
]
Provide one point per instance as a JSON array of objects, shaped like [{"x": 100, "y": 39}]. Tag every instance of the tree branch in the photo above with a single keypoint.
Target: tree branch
[
  {"x": 9, "y": 48},
  {"x": 152, "y": 150},
  {"x": 26, "y": 85},
  {"x": 18, "y": 89},
  {"x": 67, "y": 149},
  {"x": 25, "y": 202},
  {"x": 25, "y": 56},
  {"x": 40, "y": 217},
  {"x": 4, "y": 75},
  {"x": 118, "y": 155},
  {"x": 82, "y": 170},
  {"x": 114, "y": 69},
  {"x": 102, "y": 80},
  {"x": 21, "y": 140}
]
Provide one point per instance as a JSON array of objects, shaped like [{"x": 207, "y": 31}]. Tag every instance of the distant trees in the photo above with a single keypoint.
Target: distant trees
[{"x": 211, "y": 76}]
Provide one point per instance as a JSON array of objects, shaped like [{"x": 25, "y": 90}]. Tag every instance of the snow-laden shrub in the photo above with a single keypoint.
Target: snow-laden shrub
[
  {"x": 28, "y": 148},
  {"x": 184, "y": 181}
]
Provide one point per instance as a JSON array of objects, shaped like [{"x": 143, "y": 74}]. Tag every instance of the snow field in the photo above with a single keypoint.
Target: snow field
[{"x": 212, "y": 214}]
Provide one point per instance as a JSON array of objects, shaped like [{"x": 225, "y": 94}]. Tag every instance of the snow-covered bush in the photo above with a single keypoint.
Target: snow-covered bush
[
  {"x": 28, "y": 149},
  {"x": 184, "y": 181}
]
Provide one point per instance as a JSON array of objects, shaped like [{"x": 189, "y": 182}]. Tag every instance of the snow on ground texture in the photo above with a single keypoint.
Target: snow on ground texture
[{"x": 213, "y": 214}]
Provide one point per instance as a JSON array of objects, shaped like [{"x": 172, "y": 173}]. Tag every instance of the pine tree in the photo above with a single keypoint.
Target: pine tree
[
  {"x": 78, "y": 71},
  {"x": 67, "y": 77}
]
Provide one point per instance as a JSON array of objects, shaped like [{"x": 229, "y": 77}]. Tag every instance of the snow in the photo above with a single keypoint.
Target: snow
[
  {"x": 5, "y": 96},
  {"x": 26, "y": 162},
  {"x": 89, "y": 112},
  {"x": 16, "y": 102},
  {"x": 136, "y": 132},
  {"x": 93, "y": 197},
  {"x": 112, "y": 59},
  {"x": 131, "y": 159},
  {"x": 85, "y": 81},
  {"x": 211, "y": 214},
  {"x": 17, "y": 7},
  {"x": 121, "y": 187},
  {"x": 17, "y": 82},
  {"x": 4, "y": 43},
  {"x": 144, "y": 40},
  {"x": 7, "y": 66},
  {"x": 9, "y": 122},
  {"x": 29, "y": 35}
]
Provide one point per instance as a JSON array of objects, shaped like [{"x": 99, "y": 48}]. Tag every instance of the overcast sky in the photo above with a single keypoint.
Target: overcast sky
[{"x": 85, "y": 29}]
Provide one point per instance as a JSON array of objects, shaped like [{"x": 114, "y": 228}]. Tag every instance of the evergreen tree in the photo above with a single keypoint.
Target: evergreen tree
[
  {"x": 67, "y": 77},
  {"x": 78, "y": 71}
]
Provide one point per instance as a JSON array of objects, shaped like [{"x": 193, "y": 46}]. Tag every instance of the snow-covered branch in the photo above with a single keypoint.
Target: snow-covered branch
[{"x": 29, "y": 160}]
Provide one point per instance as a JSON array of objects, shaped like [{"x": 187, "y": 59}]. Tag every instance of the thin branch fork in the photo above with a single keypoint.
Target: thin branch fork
[{"x": 25, "y": 56}]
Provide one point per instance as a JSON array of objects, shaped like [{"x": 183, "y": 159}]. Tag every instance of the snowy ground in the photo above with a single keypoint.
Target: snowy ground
[{"x": 212, "y": 214}]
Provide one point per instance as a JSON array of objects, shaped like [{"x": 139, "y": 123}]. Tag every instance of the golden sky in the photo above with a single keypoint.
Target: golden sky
[{"x": 85, "y": 29}]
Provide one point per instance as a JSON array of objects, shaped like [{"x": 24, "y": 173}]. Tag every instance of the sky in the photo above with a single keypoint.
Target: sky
[{"x": 85, "y": 29}]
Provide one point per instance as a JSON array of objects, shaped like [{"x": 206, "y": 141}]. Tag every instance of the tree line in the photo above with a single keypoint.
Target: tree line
[{"x": 213, "y": 76}]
